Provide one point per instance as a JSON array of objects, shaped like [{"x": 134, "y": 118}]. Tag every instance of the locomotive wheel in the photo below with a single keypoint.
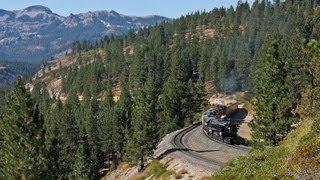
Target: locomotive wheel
[
  {"x": 231, "y": 141},
  {"x": 227, "y": 140}
]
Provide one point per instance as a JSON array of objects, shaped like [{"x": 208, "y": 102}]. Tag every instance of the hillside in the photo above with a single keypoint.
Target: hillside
[
  {"x": 36, "y": 33},
  {"x": 297, "y": 157},
  {"x": 50, "y": 75},
  {"x": 159, "y": 76}
]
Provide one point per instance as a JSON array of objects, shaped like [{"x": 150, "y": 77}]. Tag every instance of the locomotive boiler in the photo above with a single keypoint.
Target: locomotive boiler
[{"x": 217, "y": 123}]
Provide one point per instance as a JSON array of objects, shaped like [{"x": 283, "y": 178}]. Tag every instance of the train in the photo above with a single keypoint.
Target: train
[{"x": 217, "y": 123}]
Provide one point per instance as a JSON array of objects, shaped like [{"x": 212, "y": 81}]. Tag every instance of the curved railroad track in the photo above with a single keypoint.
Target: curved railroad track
[
  {"x": 194, "y": 143},
  {"x": 242, "y": 148},
  {"x": 179, "y": 143}
]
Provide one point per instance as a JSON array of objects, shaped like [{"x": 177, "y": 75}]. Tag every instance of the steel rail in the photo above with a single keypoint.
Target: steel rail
[{"x": 178, "y": 143}]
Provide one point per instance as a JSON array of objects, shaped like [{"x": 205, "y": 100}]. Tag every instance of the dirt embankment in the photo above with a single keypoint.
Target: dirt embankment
[{"x": 53, "y": 82}]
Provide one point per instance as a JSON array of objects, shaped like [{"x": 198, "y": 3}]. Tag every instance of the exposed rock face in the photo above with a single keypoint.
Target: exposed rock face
[{"x": 36, "y": 33}]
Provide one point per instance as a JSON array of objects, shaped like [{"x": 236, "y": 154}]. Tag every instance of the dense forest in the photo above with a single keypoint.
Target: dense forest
[
  {"x": 9, "y": 72},
  {"x": 163, "y": 73}
]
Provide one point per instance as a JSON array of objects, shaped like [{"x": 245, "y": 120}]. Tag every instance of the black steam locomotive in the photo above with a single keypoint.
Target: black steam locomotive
[{"x": 216, "y": 123}]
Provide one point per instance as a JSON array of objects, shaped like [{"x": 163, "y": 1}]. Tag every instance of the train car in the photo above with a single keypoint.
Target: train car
[
  {"x": 231, "y": 108},
  {"x": 222, "y": 130},
  {"x": 216, "y": 111},
  {"x": 216, "y": 122}
]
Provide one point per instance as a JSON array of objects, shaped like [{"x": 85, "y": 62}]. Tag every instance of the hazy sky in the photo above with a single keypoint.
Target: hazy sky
[{"x": 169, "y": 8}]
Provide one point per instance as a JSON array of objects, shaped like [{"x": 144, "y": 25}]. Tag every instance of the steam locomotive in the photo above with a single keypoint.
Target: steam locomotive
[{"x": 216, "y": 123}]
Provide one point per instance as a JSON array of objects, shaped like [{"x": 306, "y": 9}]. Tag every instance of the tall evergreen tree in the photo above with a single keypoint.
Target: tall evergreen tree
[
  {"x": 67, "y": 140},
  {"x": 88, "y": 137},
  {"x": 172, "y": 106},
  {"x": 105, "y": 129},
  {"x": 273, "y": 105},
  {"x": 175, "y": 101},
  {"x": 124, "y": 105},
  {"x": 21, "y": 137},
  {"x": 310, "y": 102},
  {"x": 80, "y": 169},
  {"x": 53, "y": 142},
  {"x": 142, "y": 140}
]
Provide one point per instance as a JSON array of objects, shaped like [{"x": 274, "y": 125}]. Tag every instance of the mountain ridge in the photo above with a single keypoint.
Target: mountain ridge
[{"x": 36, "y": 33}]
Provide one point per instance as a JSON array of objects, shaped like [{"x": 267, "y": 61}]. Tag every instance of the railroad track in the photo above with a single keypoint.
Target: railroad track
[
  {"x": 179, "y": 144},
  {"x": 242, "y": 148}
]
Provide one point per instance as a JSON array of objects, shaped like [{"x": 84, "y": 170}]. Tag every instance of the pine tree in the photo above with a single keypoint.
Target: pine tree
[
  {"x": 119, "y": 129},
  {"x": 198, "y": 97},
  {"x": 68, "y": 137},
  {"x": 52, "y": 141},
  {"x": 272, "y": 103},
  {"x": 80, "y": 169},
  {"x": 171, "y": 115},
  {"x": 124, "y": 106},
  {"x": 139, "y": 69},
  {"x": 21, "y": 137},
  {"x": 310, "y": 102},
  {"x": 175, "y": 101},
  {"x": 204, "y": 62},
  {"x": 105, "y": 128},
  {"x": 142, "y": 140},
  {"x": 89, "y": 136}
]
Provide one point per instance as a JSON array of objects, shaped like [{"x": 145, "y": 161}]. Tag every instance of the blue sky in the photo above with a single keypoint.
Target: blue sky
[{"x": 169, "y": 8}]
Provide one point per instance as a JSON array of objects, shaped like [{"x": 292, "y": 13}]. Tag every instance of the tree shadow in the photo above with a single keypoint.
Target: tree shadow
[
  {"x": 240, "y": 141},
  {"x": 169, "y": 151},
  {"x": 239, "y": 118},
  {"x": 240, "y": 115}
]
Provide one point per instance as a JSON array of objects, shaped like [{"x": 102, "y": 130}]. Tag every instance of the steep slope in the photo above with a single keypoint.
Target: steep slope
[
  {"x": 36, "y": 33},
  {"x": 297, "y": 157}
]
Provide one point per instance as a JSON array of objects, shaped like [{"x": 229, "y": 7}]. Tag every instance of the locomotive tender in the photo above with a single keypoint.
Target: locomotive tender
[{"x": 216, "y": 123}]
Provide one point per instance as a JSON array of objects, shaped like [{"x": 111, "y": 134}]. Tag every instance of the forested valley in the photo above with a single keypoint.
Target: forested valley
[{"x": 164, "y": 74}]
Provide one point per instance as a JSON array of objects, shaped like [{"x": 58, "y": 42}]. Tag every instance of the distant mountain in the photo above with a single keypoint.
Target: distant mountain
[{"x": 36, "y": 33}]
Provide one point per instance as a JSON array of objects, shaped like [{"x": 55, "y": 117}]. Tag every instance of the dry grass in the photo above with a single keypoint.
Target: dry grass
[
  {"x": 155, "y": 170},
  {"x": 205, "y": 178}
]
